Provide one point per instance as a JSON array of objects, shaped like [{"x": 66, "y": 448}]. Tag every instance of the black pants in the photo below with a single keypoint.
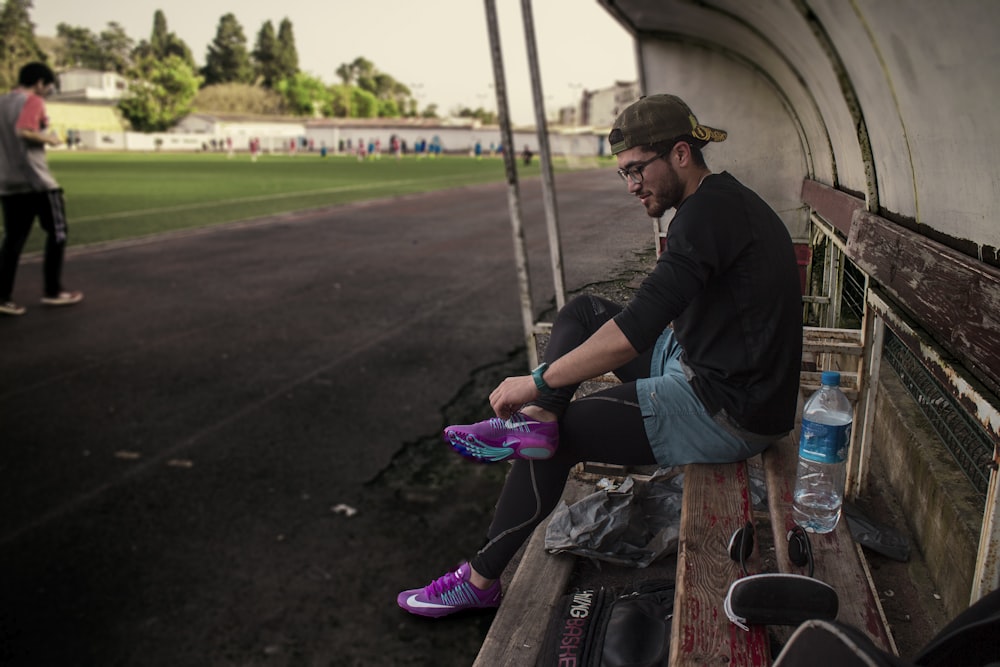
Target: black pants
[
  {"x": 606, "y": 426},
  {"x": 19, "y": 211}
]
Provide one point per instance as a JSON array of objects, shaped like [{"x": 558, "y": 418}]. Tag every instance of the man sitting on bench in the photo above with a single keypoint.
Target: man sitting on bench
[{"x": 719, "y": 385}]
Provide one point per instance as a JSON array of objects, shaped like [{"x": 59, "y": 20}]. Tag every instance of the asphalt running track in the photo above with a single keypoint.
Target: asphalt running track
[{"x": 174, "y": 447}]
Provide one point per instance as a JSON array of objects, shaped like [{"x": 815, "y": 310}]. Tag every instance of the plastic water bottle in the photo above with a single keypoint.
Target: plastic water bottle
[{"x": 826, "y": 434}]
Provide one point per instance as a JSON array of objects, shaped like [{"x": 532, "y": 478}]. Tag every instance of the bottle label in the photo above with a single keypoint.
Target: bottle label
[{"x": 824, "y": 443}]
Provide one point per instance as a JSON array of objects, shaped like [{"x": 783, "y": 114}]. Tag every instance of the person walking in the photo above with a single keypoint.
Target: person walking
[
  {"x": 27, "y": 188},
  {"x": 708, "y": 352}
]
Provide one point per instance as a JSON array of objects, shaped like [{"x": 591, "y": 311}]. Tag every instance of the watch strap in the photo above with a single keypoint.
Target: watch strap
[{"x": 540, "y": 383}]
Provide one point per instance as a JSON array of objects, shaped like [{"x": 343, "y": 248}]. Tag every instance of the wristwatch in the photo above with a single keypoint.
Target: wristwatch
[{"x": 537, "y": 374}]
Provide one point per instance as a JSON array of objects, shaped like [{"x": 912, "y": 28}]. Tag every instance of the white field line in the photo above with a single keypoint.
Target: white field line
[{"x": 240, "y": 200}]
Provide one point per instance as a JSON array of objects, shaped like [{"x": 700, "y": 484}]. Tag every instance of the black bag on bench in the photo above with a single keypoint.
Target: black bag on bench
[
  {"x": 611, "y": 628},
  {"x": 972, "y": 639}
]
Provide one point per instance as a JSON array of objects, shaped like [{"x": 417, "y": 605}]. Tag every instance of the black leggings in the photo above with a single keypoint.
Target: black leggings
[
  {"x": 606, "y": 426},
  {"x": 19, "y": 212}
]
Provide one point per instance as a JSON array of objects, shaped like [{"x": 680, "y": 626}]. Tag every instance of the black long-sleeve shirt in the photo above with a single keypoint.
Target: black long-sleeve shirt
[{"x": 728, "y": 281}]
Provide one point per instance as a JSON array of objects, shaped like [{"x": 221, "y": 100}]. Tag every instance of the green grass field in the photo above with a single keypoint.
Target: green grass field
[{"x": 125, "y": 195}]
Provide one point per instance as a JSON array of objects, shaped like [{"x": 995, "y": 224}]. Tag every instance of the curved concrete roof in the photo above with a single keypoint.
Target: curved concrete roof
[{"x": 892, "y": 100}]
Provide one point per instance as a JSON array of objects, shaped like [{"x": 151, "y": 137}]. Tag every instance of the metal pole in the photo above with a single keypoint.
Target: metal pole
[
  {"x": 513, "y": 193},
  {"x": 987, "y": 575},
  {"x": 545, "y": 155}
]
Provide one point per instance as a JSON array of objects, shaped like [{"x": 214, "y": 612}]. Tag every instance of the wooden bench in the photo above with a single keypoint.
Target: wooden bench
[
  {"x": 838, "y": 558},
  {"x": 717, "y": 501}
]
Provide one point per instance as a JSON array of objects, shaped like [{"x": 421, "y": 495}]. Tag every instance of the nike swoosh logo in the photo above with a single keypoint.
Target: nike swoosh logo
[{"x": 414, "y": 602}]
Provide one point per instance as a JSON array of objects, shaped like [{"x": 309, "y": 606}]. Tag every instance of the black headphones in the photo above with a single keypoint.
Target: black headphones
[{"x": 799, "y": 548}]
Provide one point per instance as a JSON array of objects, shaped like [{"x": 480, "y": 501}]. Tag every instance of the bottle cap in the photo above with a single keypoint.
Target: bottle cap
[{"x": 831, "y": 378}]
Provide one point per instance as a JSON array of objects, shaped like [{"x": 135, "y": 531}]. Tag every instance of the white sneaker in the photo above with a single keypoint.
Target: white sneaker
[
  {"x": 63, "y": 299},
  {"x": 11, "y": 308}
]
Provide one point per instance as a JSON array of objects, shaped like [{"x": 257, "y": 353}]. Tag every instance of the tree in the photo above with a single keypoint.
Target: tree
[
  {"x": 239, "y": 98},
  {"x": 347, "y": 101},
  {"x": 392, "y": 96},
  {"x": 79, "y": 47},
  {"x": 286, "y": 55},
  {"x": 116, "y": 48},
  {"x": 354, "y": 73},
  {"x": 227, "y": 59},
  {"x": 111, "y": 51},
  {"x": 482, "y": 115},
  {"x": 17, "y": 41},
  {"x": 160, "y": 37},
  {"x": 388, "y": 89},
  {"x": 304, "y": 94},
  {"x": 363, "y": 104},
  {"x": 388, "y": 109},
  {"x": 265, "y": 56},
  {"x": 163, "y": 43},
  {"x": 340, "y": 100},
  {"x": 160, "y": 94}
]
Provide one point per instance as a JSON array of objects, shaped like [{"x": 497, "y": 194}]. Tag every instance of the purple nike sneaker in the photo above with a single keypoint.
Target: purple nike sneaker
[
  {"x": 496, "y": 439},
  {"x": 448, "y": 594}
]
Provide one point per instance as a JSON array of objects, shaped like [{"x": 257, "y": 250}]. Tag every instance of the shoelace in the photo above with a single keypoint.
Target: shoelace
[
  {"x": 444, "y": 583},
  {"x": 516, "y": 422}
]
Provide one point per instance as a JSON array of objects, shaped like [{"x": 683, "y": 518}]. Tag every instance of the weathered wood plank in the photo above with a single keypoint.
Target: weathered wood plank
[
  {"x": 716, "y": 502},
  {"x": 836, "y": 341},
  {"x": 838, "y": 560},
  {"x": 832, "y": 205},
  {"x": 954, "y": 297},
  {"x": 518, "y": 630},
  {"x": 848, "y": 379}
]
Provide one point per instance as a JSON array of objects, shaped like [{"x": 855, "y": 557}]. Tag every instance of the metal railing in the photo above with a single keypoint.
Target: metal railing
[{"x": 966, "y": 440}]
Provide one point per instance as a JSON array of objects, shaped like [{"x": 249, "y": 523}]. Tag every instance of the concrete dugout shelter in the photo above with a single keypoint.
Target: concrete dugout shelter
[
  {"x": 871, "y": 127},
  {"x": 890, "y": 100}
]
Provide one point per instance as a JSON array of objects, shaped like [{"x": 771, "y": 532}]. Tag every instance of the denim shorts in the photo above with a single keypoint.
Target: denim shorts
[{"x": 679, "y": 428}]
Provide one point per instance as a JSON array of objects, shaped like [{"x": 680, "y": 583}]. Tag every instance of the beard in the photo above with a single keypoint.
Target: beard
[{"x": 668, "y": 193}]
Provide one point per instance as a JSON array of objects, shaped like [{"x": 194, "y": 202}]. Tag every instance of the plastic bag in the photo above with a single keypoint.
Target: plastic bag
[{"x": 632, "y": 525}]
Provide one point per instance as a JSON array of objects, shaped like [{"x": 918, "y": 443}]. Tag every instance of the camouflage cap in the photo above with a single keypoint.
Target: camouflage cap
[{"x": 655, "y": 118}]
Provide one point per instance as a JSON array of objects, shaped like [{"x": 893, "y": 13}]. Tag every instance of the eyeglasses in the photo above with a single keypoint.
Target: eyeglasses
[
  {"x": 634, "y": 172},
  {"x": 799, "y": 547}
]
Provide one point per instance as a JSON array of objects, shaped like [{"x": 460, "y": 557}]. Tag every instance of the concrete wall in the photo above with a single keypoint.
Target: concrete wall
[
  {"x": 942, "y": 511},
  {"x": 765, "y": 148}
]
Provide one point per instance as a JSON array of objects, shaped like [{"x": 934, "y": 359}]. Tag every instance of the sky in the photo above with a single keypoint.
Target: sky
[{"x": 439, "y": 48}]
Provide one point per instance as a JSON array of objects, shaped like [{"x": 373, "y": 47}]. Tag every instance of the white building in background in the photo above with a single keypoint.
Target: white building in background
[
  {"x": 88, "y": 85},
  {"x": 599, "y": 108}
]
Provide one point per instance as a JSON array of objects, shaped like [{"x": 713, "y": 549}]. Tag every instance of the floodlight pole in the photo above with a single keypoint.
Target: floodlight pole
[
  {"x": 545, "y": 155},
  {"x": 513, "y": 192}
]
